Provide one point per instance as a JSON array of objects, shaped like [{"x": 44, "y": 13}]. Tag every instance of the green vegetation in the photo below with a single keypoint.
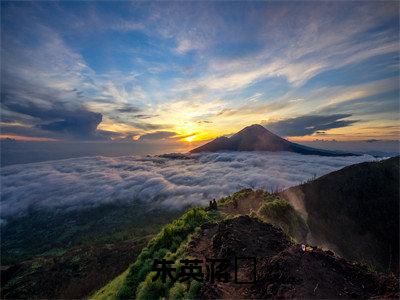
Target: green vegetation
[
  {"x": 150, "y": 289},
  {"x": 109, "y": 291},
  {"x": 280, "y": 213},
  {"x": 50, "y": 232},
  {"x": 243, "y": 194},
  {"x": 269, "y": 207},
  {"x": 167, "y": 244},
  {"x": 235, "y": 197},
  {"x": 59, "y": 243}
]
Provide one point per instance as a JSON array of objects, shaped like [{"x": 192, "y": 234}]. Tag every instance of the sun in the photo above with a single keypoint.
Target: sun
[{"x": 190, "y": 138}]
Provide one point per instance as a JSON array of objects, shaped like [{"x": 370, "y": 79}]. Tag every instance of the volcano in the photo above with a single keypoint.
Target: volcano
[{"x": 258, "y": 138}]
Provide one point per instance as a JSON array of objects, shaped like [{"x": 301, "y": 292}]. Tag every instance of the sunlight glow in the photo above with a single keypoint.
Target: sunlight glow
[{"x": 190, "y": 138}]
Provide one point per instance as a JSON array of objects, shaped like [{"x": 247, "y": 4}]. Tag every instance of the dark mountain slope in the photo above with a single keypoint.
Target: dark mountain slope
[
  {"x": 48, "y": 254},
  {"x": 283, "y": 269},
  {"x": 219, "y": 144},
  {"x": 354, "y": 211},
  {"x": 258, "y": 138}
]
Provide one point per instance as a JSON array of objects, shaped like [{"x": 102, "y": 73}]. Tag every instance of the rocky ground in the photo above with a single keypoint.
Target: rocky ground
[{"x": 283, "y": 269}]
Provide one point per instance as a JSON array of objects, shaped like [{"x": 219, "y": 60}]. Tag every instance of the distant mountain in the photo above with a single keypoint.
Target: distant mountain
[{"x": 258, "y": 138}]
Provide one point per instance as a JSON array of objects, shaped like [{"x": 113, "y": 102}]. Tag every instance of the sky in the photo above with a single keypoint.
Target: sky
[{"x": 186, "y": 72}]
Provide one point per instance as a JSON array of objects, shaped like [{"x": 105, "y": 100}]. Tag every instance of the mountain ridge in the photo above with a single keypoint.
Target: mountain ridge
[
  {"x": 340, "y": 206},
  {"x": 257, "y": 138},
  {"x": 288, "y": 264}
]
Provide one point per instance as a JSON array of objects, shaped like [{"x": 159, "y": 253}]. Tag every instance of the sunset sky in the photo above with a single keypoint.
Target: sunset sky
[{"x": 191, "y": 71}]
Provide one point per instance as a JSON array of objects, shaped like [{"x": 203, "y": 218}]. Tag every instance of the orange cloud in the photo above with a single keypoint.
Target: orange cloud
[{"x": 27, "y": 138}]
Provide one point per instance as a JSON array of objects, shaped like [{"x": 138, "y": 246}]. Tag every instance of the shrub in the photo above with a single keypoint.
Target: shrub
[
  {"x": 234, "y": 198},
  {"x": 281, "y": 214},
  {"x": 168, "y": 240},
  {"x": 178, "y": 291},
  {"x": 194, "y": 290}
]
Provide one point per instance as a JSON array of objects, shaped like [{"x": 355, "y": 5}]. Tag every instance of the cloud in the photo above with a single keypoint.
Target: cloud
[
  {"x": 192, "y": 25},
  {"x": 144, "y": 116},
  {"x": 86, "y": 182},
  {"x": 41, "y": 88},
  {"x": 148, "y": 126},
  {"x": 185, "y": 46},
  {"x": 312, "y": 43},
  {"x": 195, "y": 52},
  {"x": 342, "y": 94},
  {"x": 53, "y": 117},
  {"x": 158, "y": 135},
  {"x": 309, "y": 124},
  {"x": 128, "y": 109},
  {"x": 48, "y": 87},
  {"x": 123, "y": 25},
  {"x": 81, "y": 124}
]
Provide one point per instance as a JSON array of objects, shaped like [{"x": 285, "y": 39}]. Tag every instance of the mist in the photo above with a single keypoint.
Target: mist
[{"x": 79, "y": 183}]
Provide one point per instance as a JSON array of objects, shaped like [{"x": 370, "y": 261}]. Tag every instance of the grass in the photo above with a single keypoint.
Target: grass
[
  {"x": 47, "y": 241},
  {"x": 262, "y": 195},
  {"x": 235, "y": 197},
  {"x": 109, "y": 291},
  {"x": 149, "y": 289},
  {"x": 45, "y": 232},
  {"x": 167, "y": 242},
  {"x": 272, "y": 209},
  {"x": 280, "y": 213}
]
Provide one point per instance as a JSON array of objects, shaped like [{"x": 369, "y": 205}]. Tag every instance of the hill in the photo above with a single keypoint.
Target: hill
[
  {"x": 283, "y": 269},
  {"x": 258, "y": 138},
  {"x": 67, "y": 255},
  {"x": 354, "y": 211},
  {"x": 291, "y": 242}
]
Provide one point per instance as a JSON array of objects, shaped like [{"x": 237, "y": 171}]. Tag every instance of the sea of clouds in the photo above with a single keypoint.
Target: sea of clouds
[{"x": 192, "y": 179}]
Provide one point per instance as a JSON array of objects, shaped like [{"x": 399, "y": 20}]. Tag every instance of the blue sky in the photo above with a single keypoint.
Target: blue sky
[{"x": 191, "y": 71}]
